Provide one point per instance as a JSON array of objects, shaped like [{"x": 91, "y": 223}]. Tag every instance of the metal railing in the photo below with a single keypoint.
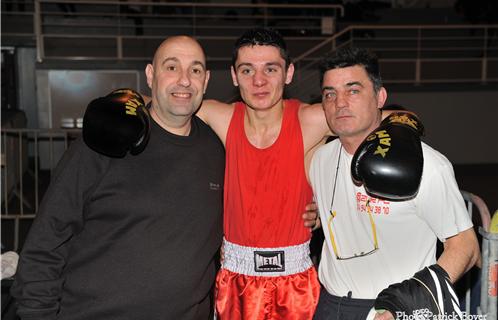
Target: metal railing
[
  {"x": 411, "y": 54},
  {"x": 28, "y": 157},
  {"x": 131, "y": 30},
  {"x": 18, "y": 20}
]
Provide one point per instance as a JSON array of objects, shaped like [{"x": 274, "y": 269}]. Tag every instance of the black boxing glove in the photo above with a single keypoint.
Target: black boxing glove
[
  {"x": 117, "y": 124},
  {"x": 429, "y": 293},
  {"x": 389, "y": 161}
]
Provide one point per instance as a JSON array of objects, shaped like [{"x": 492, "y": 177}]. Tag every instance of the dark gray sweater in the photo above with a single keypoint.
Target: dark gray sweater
[{"x": 131, "y": 238}]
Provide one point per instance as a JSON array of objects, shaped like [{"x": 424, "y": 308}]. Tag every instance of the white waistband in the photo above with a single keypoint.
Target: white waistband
[{"x": 267, "y": 262}]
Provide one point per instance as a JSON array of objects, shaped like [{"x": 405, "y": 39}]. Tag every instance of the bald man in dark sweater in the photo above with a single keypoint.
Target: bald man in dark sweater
[{"x": 133, "y": 237}]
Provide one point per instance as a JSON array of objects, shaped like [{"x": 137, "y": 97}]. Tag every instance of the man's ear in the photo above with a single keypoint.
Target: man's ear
[
  {"x": 381, "y": 97},
  {"x": 289, "y": 74},
  {"x": 234, "y": 76},
  {"x": 206, "y": 81},
  {"x": 149, "y": 73}
]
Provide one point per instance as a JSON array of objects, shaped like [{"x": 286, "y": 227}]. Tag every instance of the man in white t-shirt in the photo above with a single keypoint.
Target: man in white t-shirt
[{"x": 372, "y": 243}]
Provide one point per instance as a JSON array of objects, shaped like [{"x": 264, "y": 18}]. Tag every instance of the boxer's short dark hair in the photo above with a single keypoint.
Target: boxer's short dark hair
[{"x": 261, "y": 37}]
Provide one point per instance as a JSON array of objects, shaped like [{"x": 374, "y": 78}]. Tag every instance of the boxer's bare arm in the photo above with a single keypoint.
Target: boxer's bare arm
[
  {"x": 313, "y": 125},
  {"x": 217, "y": 115}
]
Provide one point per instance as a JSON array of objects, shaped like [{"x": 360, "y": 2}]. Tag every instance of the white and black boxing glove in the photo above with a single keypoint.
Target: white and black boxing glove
[
  {"x": 389, "y": 161},
  {"x": 117, "y": 124},
  {"x": 429, "y": 294}
]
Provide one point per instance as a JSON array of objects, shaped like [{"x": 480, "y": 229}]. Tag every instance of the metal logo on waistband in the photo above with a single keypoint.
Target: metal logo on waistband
[{"x": 269, "y": 261}]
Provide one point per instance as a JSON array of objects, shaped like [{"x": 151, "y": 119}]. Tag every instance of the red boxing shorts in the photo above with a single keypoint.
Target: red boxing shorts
[{"x": 275, "y": 283}]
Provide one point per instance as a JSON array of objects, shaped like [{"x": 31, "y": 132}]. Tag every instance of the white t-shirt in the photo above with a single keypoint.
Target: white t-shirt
[{"x": 406, "y": 231}]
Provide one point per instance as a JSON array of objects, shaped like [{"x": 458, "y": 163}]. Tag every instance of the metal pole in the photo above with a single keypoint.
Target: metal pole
[
  {"x": 37, "y": 200},
  {"x": 484, "y": 272},
  {"x": 119, "y": 44},
  {"x": 20, "y": 172},
  {"x": 37, "y": 21},
  {"x": 418, "y": 64},
  {"x": 5, "y": 168},
  {"x": 16, "y": 234},
  {"x": 489, "y": 275},
  {"x": 484, "y": 67}
]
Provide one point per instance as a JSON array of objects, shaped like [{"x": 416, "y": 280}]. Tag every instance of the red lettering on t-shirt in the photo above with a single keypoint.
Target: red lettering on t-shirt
[{"x": 377, "y": 206}]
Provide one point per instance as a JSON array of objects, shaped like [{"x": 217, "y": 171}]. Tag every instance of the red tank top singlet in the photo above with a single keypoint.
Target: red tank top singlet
[{"x": 266, "y": 190}]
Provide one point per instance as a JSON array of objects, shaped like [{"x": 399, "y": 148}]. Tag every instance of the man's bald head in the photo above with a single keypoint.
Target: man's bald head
[
  {"x": 178, "y": 79},
  {"x": 179, "y": 41}
]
